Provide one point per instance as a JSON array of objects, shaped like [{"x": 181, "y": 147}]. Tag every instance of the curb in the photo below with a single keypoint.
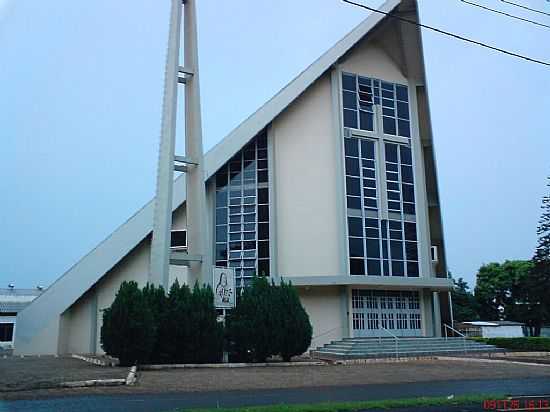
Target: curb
[
  {"x": 229, "y": 365},
  {"x": 95, "y": 361},
  {"x": 93, "y": 382},
  {"x": 381, "y": 360},
  {"x": 482, "y": 360}
]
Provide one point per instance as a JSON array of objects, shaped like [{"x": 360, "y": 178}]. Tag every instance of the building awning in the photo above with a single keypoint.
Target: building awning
[{"x": 376, "y": 282}]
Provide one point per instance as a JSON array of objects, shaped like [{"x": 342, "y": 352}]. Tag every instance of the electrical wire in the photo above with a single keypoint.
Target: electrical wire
[
  {"x": 447, "y": 33},
  {"x": 525, "y": 7},
  {"x": 471, "y": 3}
]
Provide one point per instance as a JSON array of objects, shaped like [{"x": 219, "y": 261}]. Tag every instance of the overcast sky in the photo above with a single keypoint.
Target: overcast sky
[{"x": 80, "y": 100}]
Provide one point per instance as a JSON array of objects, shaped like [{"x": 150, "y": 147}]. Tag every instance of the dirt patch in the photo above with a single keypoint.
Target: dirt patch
[{"x": 20, "y": 374}]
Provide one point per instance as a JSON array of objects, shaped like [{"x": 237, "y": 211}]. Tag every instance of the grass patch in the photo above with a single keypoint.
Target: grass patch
[
  {"x": 358, "y": 406},
  {"x": 527, "y": 344}
]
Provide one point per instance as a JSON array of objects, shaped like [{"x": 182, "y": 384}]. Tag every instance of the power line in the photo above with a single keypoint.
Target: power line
[
  {"x": 525, "y": 7},
  {"x": 447, "y": 33},
  {"x": 504, "y": 14}
]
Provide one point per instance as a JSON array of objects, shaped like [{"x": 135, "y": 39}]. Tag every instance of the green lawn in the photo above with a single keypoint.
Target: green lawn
[{"x": 357, "y": 406}]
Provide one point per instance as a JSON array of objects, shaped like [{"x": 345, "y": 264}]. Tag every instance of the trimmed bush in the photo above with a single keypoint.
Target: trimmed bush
[
  {"x": 268, "y": 320},
  {"x": 156, "y": 300},
  {"x": 295, "y": 330},
  {"x": 128, "y": 331},
  {"x": 527, "y": 344}
]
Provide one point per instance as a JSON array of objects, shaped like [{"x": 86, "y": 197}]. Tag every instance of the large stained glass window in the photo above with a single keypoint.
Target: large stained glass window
[
  {"x": 242, "y": 212},
  {"x": 382, "y": 233}
]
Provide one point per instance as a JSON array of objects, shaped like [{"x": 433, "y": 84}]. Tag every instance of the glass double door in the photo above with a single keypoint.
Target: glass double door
[{"x": 396, "y": 311}]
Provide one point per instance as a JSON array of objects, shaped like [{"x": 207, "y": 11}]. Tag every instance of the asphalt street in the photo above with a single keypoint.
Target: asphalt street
[{"x": 169, "y": 401}]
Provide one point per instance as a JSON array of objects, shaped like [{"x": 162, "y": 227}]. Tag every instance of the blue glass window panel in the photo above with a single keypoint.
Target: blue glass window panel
[
  {"x": 351, "y": 147},
  {"x": 369, "y": 183},
  {"x": 371, "y": 222},
  {"x": 384, "y": 229},
  {"x": 388, "y": 112},
  {"x": 407, "y": 174},
  {"x": 221, "y": 216},
  {"x": 373, "y": 248},
  {"x": 394, "y": 196},
  {"x": 391, "y": 153},
  {"x": 221, "y": 180},
  {"x": 367, "y": 151},
  {"x": 353, "y": 187},
  {"x": 354, "y": 202},
  {"x": 392, "y": 186},
  {"x": 369, "y": 192},
  {"x": 356, "y": 247},
  {"x": 263, "y": 249},
  {"x": 387, "y": 103},
  {"x": 403, "y": 110},
  {"x": 406, "y": 155},
  {"x": 370, "y": 203},
  {"x": 369, "y": 173},
  {"x": 263, "y": 267},
  {"x": 235, "y": 246},
  {"x": 249, "y": 200},
  {"x": 262, "y": 176},
  {"x": 384, "y": 249},
  {"x": 263, "y": 231},
  {"x": 411, "y": 250},
  {"x": 263, "y": 213},
  {"x": 368, "y": 163},
  {"x": 349, "y": 99},
  {"x": 364, "y": 81},
  {"x": 249, "y": 245},
  {"x": 398, "y": 268},
  {"x": 357, "y": 266},
  {"x": 221, "y": 233},
  {"x": 409, "y": 209},
  {"x": 386, "y": 266},
  {"x": 249, "y": 155},
  {"x": 412, "y": 269},
  {"x": 394, "y": 206},
  {"x": 396, "y": 235},
  {"x": 410, "y": 231},
  {"x": 367, "y": 120},
  {"x": 392, "y": 167},
  {"x": 221, "y": 263},
  {"x": 249, "y": 227},
  {"x": 392, "y": 176},
  {"x": 249, "y": 235},
  {"x": 408, "y": 193},
  {"x": 263, "y": 195},
  {"x": 221, "y": 198},
  {"x": 348, "y": 82},
  {"x": 396, "y": 249},
  {"x": 387, "y": 94},
  {"x": 262, "y": 164},
  {"x": 389, "y": 125},
  {"x": 373, "y": 267},
  {"x": 404, "y": 128},
  {"x": 352, "y": 166},
  {"x": 402, "y": 93},
  {"x": 386, "y": 85},
  {"x": 221, "y": 251},
  {"x": 350, "y": 118},
  {"x": 371, "y": 233},
  {"x": 395, "y": 224},
  {"x": 355, "y": 226}
]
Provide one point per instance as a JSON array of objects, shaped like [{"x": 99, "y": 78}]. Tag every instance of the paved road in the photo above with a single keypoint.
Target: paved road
[{"x": 170, "y": 401}]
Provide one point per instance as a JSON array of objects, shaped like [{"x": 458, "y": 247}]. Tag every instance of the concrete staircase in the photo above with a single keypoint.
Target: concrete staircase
[{"x": 364, "y": 348}]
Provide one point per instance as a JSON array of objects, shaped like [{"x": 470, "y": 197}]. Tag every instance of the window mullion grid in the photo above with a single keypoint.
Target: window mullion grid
[
  {"x": 362, "y": 196},
  {"x": 399, "y": 164}
]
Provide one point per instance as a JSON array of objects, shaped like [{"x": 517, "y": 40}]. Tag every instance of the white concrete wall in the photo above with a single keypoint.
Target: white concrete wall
[
  {"x": 502, "y": 331},
  {"x": 305, "y": 185},
  {"x": 77, "y": 326},
  {"x": 323, "y": 306}
]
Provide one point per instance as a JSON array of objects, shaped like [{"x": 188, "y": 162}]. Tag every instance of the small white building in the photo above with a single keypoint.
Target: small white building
[
  {"x": 493, "y": 329},
  {"x": 12, "y": 301}
]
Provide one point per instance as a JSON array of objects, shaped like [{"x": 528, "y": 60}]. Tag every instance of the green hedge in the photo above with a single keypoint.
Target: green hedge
[{"x": 519, "y": 344}]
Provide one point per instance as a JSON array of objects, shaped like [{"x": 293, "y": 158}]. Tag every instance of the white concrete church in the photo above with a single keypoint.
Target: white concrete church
[{"x": 331, "y": 184}]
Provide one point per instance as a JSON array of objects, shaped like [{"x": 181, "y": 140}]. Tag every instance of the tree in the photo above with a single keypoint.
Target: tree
[
  {"x": 155, "y": 298},
  {"x": 128, "y": 331},
  {"x": 294, "y": 328},
  {"x": 465, "y": 306},
  {"x": 539, "y": 282},
  {"x": 503, "y": 293},
  {"x": 251, "y": 326}
]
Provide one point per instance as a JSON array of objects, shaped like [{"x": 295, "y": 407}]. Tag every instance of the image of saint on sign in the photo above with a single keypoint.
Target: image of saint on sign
[{"x": 223, "y": 290}]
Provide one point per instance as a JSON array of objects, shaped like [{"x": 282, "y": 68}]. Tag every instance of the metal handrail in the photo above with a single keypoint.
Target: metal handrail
[
  {"x": 326, "y": 332},
  {"x": 457, "y": 332},
  {"x": 395, "y": 338}
]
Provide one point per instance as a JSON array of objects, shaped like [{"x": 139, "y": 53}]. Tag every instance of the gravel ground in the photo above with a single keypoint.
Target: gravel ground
[
  {"x": 227, "y": 379},
  {"x": 17, "y": 374}
]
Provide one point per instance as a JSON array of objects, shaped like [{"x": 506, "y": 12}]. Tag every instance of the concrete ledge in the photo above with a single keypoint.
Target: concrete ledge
[
  {"x": 96, "y": 361},
  {"x": 93, "y": 382},
  {"x": 229, "y": 365}
]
